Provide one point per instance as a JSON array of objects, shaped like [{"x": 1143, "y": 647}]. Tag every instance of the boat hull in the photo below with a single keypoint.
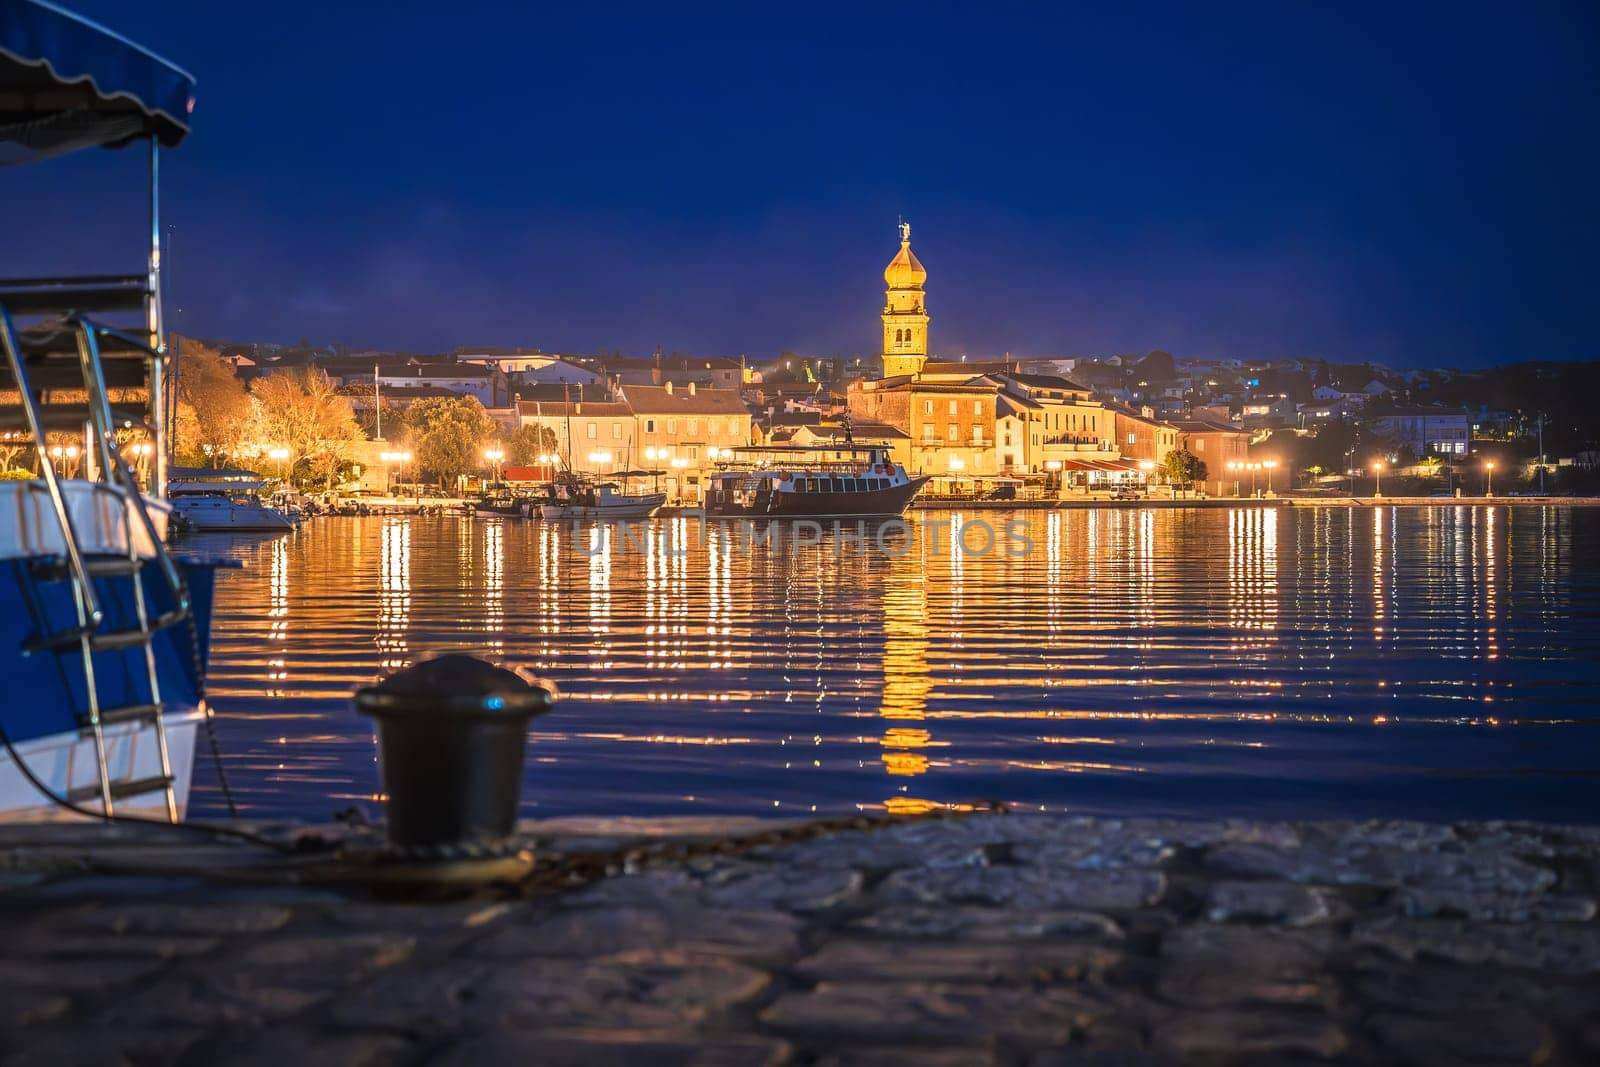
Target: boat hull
[
  {"x": 66, "y": 761},
  {"x": 632, "y": 508},
  {"x": 763, "y": 504},
  {"x": 47, "y": 695},
  {"x": 209, "y": 515}
]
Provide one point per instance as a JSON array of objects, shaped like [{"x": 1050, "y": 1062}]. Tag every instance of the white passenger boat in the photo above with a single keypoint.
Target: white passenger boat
[{"x": 225, "y": 500}]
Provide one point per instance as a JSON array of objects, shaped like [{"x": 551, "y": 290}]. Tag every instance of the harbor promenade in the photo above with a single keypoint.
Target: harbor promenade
[{"x": 977, "y": 939}]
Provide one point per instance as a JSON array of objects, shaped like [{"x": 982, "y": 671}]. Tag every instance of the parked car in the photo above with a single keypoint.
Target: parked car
[
  {"x": 1127, "y": 492},
  {"x": 1003, "y": 492}
]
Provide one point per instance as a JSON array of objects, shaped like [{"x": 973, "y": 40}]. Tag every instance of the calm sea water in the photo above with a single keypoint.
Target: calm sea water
[{"x": 1440, "y": 662}]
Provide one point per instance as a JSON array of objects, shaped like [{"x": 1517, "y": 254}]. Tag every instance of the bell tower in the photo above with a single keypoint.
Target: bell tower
[{"x": 905, "y": 315}]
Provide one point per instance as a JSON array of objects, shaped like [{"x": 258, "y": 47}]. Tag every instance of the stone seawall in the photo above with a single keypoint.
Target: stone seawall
[{"x": 985, "y": 939}]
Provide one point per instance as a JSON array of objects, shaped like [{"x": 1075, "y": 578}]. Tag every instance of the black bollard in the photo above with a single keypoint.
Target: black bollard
[{"x": 451, "y": 734}]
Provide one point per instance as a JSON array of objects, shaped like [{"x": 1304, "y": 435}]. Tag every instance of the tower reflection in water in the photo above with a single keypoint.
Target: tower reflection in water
[{"x": 1199, "y": 660}]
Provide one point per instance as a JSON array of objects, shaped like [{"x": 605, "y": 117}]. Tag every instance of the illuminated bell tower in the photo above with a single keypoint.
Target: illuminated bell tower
[{"x": 905, "y": 316}]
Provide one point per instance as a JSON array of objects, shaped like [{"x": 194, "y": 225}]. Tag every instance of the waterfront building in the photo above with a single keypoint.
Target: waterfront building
[
  {"x": 1014, "y": 417},
  {"x": 1141, "y": 436},
  {"x": 678, "y": 431},
  {"x": 602, "y": 426},
  {"x": 681, "y": 371},
  {"x": 1064, "y": 421},
  {"x": 1445, "y": 432},
  {"x": 683, "y": 429},
  {"x": 1216, "y": 445},
  {"x": 950, "y": 425}
]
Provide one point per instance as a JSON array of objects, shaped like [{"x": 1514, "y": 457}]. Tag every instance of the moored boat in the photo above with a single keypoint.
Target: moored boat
[
  {"x": 212, "y": 501},
  {"x": 583, "y": 498},
  {"x": 103, "y": 633},
  {"x": 500, "y": 501},
  {"x": 820, "y": 481}
]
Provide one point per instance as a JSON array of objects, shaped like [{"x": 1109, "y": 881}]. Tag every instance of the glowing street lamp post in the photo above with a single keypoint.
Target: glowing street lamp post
[
  {"x": 599, "y": 459},
  {"x": 399, "y": 459},
  {"x": 1488, "y": 476},
  {"x": 1377, "y": 472},
  {"x": 657, "y": 456},
  {"x": 70, "y": 455},
  {"x": 281, "y": 455},
  {"x": 679, "y": 465},
  {"x": 494, "y": 456},
  {"x": 1147, "y": 467},
  {"x": 1235, "y": 466},
  {"x": 1269, "y": 464}
]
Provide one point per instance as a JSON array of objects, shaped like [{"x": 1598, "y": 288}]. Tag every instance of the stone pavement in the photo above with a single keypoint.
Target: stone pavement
[{"x": 987, "y": 939}]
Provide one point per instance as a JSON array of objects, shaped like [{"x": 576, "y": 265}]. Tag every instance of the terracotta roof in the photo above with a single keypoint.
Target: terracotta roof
[
  {"x": 1006, "y": 406},
  {"x": 1047, "y": 381},
  {"x": 655, "y": 400},
  {"x": 1206, "y": 426},
  {"x": 556, "y": 409},
  {"x": 554, "y": 391},
  {"x": 1123, "y": 411}
]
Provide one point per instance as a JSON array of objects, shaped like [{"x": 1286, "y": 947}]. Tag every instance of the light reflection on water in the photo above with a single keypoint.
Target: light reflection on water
[{"x": 1432, "y": 662}]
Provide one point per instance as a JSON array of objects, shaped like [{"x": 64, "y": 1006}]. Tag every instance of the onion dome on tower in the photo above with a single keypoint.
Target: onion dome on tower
[{"x": 905, "y": 317}]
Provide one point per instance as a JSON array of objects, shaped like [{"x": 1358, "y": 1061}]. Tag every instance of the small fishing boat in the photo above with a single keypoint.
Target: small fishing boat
[
  {"x": 499, "y": 501},
  {"x": 103, "y": 633},
  {"x": 577, "y": 497},
  {"x": 810, "y": 482},
  {"x": 225, "y": 500}
]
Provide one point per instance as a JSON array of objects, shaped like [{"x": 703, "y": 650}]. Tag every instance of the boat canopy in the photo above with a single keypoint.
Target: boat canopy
[
  {"x": 68, "y": 83},
  {"x": 210, "y": 474}
]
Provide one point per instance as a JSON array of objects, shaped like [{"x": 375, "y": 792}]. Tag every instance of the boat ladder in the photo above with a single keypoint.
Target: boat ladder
[{"x": 68, "y": 356}]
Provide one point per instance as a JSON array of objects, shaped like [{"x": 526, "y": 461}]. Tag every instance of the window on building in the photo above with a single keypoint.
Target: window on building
[
  {"x": 649, "y": 425},
  {"x": 952, "y": 432},
  {"x": 713, "y": 427},
  {"x": 593, "y": 431},
  {"x": 694, "y": 427},
  {"x": 1132, "y": 438},
  {"x": 616, "y": 431},
  {"x": 927, "y": 407},
  {"x": 953, "y": 407},
  {"x": 977, "y": 435},
  {"x": 977, "y": 407},
  {"x": 1199, "y": 444},
  {"x": 928, "y": 431},
  {"x": 672, "y": 425}
]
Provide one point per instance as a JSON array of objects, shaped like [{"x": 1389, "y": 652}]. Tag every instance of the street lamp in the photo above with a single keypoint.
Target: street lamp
[
  {"x": 1377, "y": 472},
  {"x": 1488, "y": 474},
  {"x": 279, "y": 454},
  {"x": 399, "y": 459},
  {"x": 1235, "y": 466},
  {"x": 494, "y": 456},
  {"x": 599, "y": 459},
  {"x": 1269, "y": 464}
]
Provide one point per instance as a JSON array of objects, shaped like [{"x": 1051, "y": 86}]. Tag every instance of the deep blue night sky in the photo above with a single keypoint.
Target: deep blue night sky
[{"x": 1413, "y": 186}]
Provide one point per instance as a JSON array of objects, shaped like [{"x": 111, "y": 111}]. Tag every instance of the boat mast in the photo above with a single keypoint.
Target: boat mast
[{"x": 153, "y": 323}]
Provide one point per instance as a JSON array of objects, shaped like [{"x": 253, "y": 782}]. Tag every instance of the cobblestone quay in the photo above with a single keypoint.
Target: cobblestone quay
[{"x": 987, "y": 939}]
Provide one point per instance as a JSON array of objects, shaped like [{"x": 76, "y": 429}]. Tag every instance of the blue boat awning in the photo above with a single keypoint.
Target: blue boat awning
[{"x": 67, "y": 83}]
